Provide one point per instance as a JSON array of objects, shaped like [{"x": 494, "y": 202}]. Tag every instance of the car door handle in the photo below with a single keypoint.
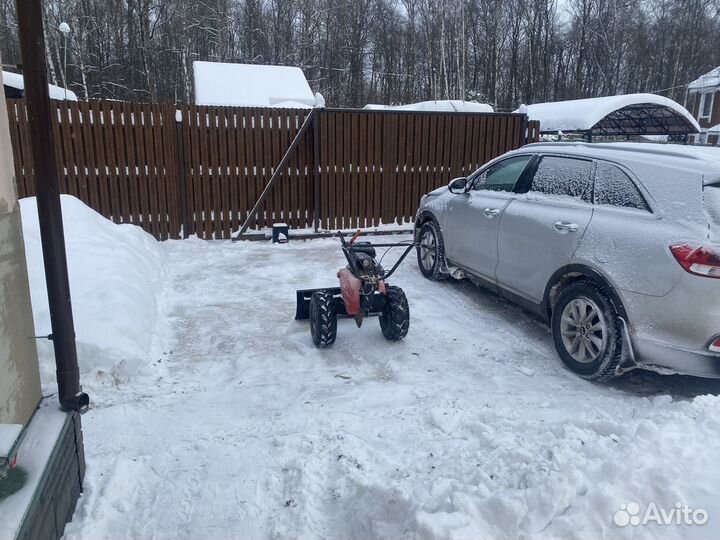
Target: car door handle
[
  {"x": 491, "y": 212},
  {"x": 563, "y": 227}
]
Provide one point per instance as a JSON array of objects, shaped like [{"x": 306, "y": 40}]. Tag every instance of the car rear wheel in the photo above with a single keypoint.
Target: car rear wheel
[
  {"x": 431, "y": 252},
  {"x": 586, "y": 330}
]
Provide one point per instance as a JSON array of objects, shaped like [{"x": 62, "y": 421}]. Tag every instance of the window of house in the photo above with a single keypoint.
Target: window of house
[
  {"x": 565, "y": 177},
  {"x": 615, "y": 188},
  {"x": 706, "y": 104}
]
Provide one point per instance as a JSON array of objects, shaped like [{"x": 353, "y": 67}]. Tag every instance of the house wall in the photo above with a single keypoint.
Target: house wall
[
  {"x": 57, "y": 493},
  {"x": 19, "y": 371},
  {"x": 694, "y": 108}
]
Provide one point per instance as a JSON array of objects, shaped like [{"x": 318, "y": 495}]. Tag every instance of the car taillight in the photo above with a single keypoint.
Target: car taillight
[
  {"x": 715, "y": 345},
  {"x": 698, "y": 260}
]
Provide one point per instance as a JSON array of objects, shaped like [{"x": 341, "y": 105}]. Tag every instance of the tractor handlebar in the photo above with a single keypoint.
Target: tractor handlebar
[{"x": 341, "y": 236}]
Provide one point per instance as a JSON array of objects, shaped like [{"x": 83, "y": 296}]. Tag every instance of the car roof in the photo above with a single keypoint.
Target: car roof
[{"x": 704, "y": 160}]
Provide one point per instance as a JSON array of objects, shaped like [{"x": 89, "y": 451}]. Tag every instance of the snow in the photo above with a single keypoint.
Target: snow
[
  {"x": 9, "y": 433},
  {"x": 251, "y": 85},
  {"x": 236, "y": 426},
  {"x": 115, "y": 273},
  {"x": 448, "y": 105},
  {"x": 34, "y": 452},
  {"x": 15, "y": 80},
  {"x": 709, "y": 79},
  {"x": 583, "y": 114},
  {"x": 655, "y": 138}
]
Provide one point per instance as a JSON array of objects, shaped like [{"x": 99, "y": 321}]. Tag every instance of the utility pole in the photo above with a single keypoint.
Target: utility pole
[{"x": 32, "y": 48}]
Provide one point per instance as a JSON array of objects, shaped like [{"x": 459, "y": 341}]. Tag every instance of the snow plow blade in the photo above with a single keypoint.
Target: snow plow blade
[{"x": 302, "y": 311}]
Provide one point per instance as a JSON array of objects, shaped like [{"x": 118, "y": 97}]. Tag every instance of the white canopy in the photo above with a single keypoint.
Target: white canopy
[
  {"x": 447, "y": 105},
  {"x": 15, "y": 80},
  {"x": 251, "y": 85},
  {"x": 614, "y": 115}
]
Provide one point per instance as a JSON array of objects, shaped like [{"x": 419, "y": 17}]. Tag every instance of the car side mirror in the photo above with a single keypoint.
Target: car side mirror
[{"x": 458, "y": 185}]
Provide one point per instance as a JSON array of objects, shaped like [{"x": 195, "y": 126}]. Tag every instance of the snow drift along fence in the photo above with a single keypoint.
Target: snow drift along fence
[{"x": 204, "y": 170}]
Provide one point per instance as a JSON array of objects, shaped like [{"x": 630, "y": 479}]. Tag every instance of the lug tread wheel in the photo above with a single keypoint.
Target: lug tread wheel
[
  {"x": 431, "y": 261},
  {"x": 323, "y": 319},
  {"x": 395, "y": 317},
  {"x": 603, "y": 364}
]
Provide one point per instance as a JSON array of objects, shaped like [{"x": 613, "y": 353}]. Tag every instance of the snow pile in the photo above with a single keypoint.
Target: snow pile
[
  {"x": 116, "y": 278},
  {"x": 447, "y": 105},
  {"x": 251, "y": 85},
  {"x": 15, "y": 80}
]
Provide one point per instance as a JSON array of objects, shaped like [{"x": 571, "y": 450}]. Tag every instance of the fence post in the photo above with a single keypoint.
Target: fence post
[
  {"x": 316, "y": 169},
  {"x": 184, "y": 222}
]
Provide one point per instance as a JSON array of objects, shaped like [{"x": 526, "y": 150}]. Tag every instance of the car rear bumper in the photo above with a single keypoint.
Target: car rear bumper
[
  {"x": 665, "y": 358},
  {"x": 672, "y": 333}
]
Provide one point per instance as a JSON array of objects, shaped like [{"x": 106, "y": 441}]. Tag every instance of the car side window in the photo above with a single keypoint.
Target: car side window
[
  {"x": 563, "y": 176},
  {"x": 502, "y": 176},
  {"x": 615, "y": 188}
]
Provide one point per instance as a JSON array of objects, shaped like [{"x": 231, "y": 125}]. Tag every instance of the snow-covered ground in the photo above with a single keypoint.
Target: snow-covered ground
[{"x": 237, "y": 427}]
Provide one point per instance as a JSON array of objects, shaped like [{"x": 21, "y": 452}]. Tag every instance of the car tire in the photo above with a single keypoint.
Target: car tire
[
  {"x": 431, "y": 252},
  {"x": 323, "y": 319},
  {"x": 395, "y": 316},
  {"x": 587, "y": 331}
]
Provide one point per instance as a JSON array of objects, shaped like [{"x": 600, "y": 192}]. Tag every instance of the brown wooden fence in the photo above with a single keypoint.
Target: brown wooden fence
[{"x": 202, "y": 170}]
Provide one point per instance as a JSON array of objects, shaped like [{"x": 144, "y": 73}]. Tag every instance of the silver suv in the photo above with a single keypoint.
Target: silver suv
[{"x": 617, "y": 246}]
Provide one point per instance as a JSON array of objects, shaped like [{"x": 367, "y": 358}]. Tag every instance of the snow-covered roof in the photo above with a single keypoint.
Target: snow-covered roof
[
  {"x": 251, "y": 85},
  {"x": 446, "y": 105},
  {"x": 709, "y": 79},
  {"x": 714, "y": 129},
  {"x": 15, "y": 80},
  {"x": 630, "y": 114}
]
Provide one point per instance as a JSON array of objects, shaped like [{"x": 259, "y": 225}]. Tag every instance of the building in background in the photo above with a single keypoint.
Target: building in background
[
  {"x": 704, "y": 103},
  {"x": 252, "y": 85},
  {"x": 14, "y": 87},
  {"x": 444, "y": 105}
]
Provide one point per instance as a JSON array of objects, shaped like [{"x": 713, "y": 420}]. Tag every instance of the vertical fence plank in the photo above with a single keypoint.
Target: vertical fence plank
[
  {"x": 334, "y": 145},
  {"x": 223, "y": 173},
  {"x": 98, "y": 135},
  {"x": 153, "y": 181}
]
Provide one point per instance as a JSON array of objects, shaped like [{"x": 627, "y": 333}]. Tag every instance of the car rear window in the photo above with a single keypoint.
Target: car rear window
[
  {"x": 615, "y": 188},
  {"x": 564, "y": 176}
]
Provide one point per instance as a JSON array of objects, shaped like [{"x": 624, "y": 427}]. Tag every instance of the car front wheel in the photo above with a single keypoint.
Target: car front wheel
[
  {"x": 431, "y": 252},
  {"x": 586, "y": 329}
]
